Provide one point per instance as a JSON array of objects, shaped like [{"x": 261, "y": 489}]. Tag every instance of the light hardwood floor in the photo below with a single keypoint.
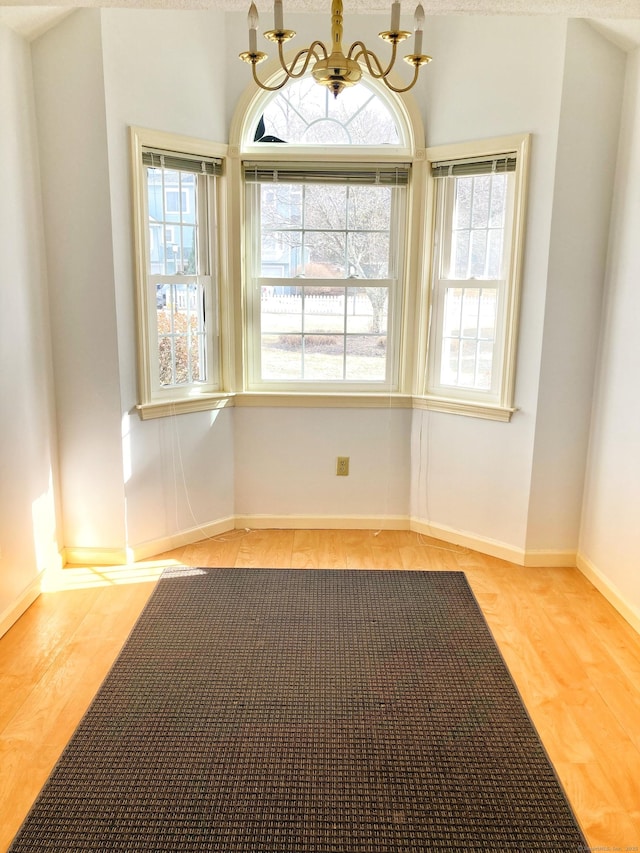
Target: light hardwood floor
[{"x": 574, "y": 659}]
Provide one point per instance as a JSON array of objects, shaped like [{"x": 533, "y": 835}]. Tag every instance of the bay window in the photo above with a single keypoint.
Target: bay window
[{"x": 364, "y": 268}]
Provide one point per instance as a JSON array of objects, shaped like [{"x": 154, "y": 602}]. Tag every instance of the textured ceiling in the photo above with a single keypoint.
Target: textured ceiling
[{"x": 615, "y": 17}]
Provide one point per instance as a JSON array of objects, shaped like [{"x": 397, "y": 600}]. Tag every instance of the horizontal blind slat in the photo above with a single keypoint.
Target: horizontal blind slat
[
  {"x": 157, "y": 158},
  {"x": 468, "y": 168},
  {"x": 368, "y": 175}
]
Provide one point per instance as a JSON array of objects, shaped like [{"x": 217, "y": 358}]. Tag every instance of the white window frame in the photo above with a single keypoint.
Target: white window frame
[
  {"x": 498, "y": 402},
  {"x": 396, "y": 305},
  {"x": 155, "y": 400}
]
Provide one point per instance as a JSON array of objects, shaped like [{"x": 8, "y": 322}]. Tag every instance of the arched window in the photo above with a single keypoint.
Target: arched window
[
  {"x": 305, "y": 113},
  {"x": 326, "y": 221}
]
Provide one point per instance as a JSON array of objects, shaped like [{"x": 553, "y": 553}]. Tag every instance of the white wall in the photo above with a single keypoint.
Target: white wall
[
  {"x": 585, "y": 168},
  {"x": 286, "y": 462},
  {"x": 487, "y": 80},
  {"x": 610, "y": 532},
  {"x": 69, "y": 89},
  {"x": 162, "y": 71},
  {"x": 28, "y": 467}
]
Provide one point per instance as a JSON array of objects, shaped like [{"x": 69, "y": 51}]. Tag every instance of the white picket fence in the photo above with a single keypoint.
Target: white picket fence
[{"x": 315, "y": 303}]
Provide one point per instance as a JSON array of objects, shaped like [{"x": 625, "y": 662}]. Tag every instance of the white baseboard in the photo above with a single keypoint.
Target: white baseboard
[
  {"x": 97, "y": 556},
  {"x": 187, "y": 537},
  {"x": 144, "y": 550},
  {"x": 495, "y": 548},
  {"x": 491, "y": 547},
  {"x": 323, "y": 522},
  {"x": 609, "y": 591},
  {"x": 550, "y": 559},
  {"x": 12, "y": 613}
]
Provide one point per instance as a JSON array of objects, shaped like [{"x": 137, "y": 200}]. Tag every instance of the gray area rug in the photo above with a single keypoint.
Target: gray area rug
[{"x": 295, "y": 711}]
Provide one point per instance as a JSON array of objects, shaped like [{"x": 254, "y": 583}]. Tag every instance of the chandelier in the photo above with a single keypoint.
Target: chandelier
[{"x": 333, "y": 69}]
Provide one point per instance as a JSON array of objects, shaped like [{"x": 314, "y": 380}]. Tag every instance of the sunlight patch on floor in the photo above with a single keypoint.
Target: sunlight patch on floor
[{"x": 85, "y": 577}]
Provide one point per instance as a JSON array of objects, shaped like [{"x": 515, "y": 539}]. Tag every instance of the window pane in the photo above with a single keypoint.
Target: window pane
[
  {"x": 477, "y": 233},
  {"x": 487, "y": 320},
  {"x": 282, "y": 254},
  {"x": 308, "y": 114},
  {"x": 470, "y": 308},
  {"x": 461, "y": 254},
  {"x": 281, "y": 311},
  {"x": 452, "y": 311},
  {"x": 485, "y": 365},
  {"x": 480, "y": 203},
  {"x": 281, "y": 205},
  {"x": 325, "y": 207},
  {"x": 188, "y": 196},
  {"x": 478, "y": 253},
  {"x": 494, "y": 253},
  {"x": 469, "y": 328},
  {"x": 366, "y": 357},
  {"x": 157, "y": 249},
  {"x": 467, "y": 364},
  {"x": 154, "y": 193},
  {"x": 188, "y": 250},
  {"x": 345, "y": 232},
  {"x": 324, "y": 254},
  {"x": 368, "y": 254},
  {"x": 323, "y": 357},
  {"x": 369, "y": 208},
  {"x": 325, "y": 311},
  {"x": 172, "y": 206},
  {"x": 181, "y": 334},
  {"x": 498, "y": 201},
  {"x": 449, "y": 362},
  {"x": 462, "y": 209},
  {"x": 174, "y": 202},
  {"x": 324, "y": 334},
  {"x": 367, "y": 310},
  {"x": 281, "y": 357}
]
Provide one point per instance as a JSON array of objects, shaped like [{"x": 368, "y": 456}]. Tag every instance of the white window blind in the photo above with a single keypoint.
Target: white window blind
[
  {"x": 396, "y": 175},
  {"x": 470, "y": 167},
  {"x": 157, "y": 158}
]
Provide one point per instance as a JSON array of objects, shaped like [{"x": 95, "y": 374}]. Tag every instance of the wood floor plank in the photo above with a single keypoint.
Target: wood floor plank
[
  {"x": 574, "y": 659},
  {"x": 265, "y": 549}
]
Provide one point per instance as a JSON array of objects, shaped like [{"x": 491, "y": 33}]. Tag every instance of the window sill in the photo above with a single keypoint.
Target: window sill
[
  {"x": 201, "y": 403},
  {"x": 464, "y": 407},
  {"x": 324, "y": 400},
  {"x": 302, "y": 400}
]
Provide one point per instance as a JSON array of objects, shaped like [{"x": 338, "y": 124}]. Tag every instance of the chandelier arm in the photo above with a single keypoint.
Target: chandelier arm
[
  {"x": 264, "y": 85},
  {"x": 378, "y": 72},
  {"x": 310, "y": 53},
  {"x": 399, "y": 90}
]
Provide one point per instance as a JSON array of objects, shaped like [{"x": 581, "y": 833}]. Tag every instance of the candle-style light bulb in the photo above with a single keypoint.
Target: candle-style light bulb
[
  {"x": 278, "y": 17},
  {"x": 395, "y": 16},
  {"x": 253, "y": 20},
  {"x": 418, "y": 22}
]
